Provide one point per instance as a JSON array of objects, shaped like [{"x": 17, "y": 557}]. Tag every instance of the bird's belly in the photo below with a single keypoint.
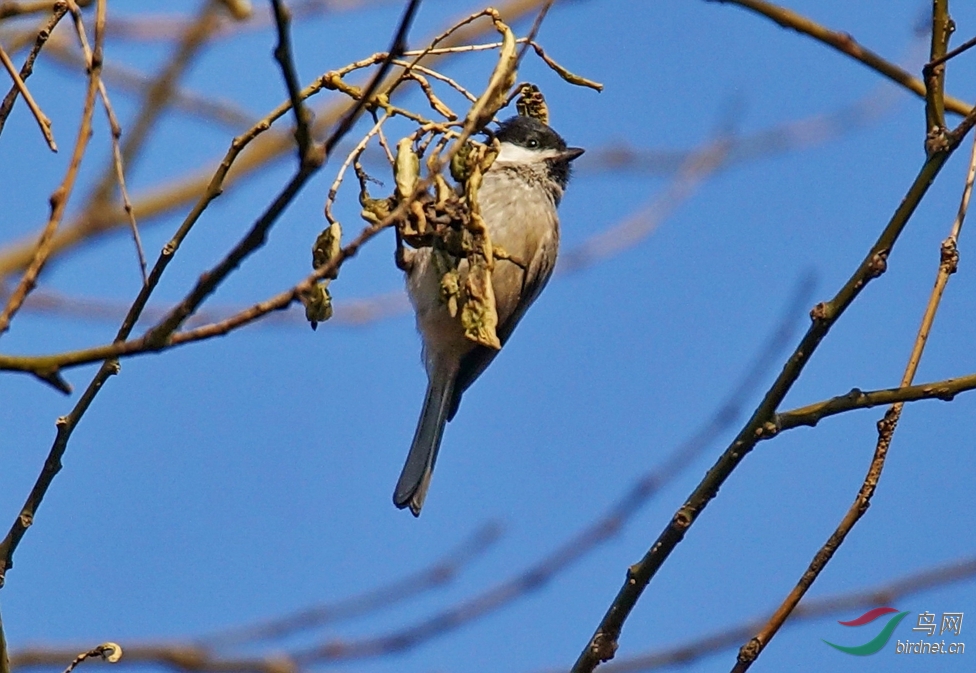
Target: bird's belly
[{"x": 520, "y": 222}]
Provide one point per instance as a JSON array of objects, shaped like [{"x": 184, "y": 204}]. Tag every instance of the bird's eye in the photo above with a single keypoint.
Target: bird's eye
[{"x": 532, "y": 144}]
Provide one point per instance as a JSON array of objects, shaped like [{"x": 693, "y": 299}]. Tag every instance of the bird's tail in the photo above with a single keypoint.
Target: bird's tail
[{"x": 411, "y": 489}]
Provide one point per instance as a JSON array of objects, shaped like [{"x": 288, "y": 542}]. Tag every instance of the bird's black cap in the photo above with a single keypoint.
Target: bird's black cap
[{"x": 529, "y": 133}]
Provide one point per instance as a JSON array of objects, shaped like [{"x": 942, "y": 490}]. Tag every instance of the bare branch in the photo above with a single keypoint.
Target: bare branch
[
  {"x": 886, "y": 427},
  {"x": 162, "y": 331},
  {"x": 42, "y": 120},
  {"x": 935, "y": 124},
  {"x": 810, "y": 610},
  {"x": 60, "y": 9},
  {"x": 845, "y": 44},
  {"x": 603, "y": 643},
  {"x": 286, "y": 60},
  {"x": 59, "y": 199}
]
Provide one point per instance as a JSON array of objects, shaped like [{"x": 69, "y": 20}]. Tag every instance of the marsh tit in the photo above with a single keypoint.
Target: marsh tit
[{"x": 518, "y": 199}]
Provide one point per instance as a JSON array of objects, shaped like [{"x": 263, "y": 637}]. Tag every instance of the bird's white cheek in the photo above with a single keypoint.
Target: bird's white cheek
[
  {"x": 513, "y": 154},
  {"x": 509, "y": 153}
]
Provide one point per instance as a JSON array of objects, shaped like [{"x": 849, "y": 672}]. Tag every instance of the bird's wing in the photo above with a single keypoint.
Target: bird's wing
[{"x": 478, "y": 359}]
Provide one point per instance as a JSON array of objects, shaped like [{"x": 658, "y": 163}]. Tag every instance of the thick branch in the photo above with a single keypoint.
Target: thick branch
[
  {"x": 603, "y": 644},
  {"x": 935, "y": 75},
  {"x": 886, "y": 427}
]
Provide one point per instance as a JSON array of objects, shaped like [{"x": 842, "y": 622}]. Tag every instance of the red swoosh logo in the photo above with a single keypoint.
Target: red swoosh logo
[{"x": 868, "y": 617}]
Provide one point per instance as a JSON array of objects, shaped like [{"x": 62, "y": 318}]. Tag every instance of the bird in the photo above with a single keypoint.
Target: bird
[{"x": 518, "y": 199}]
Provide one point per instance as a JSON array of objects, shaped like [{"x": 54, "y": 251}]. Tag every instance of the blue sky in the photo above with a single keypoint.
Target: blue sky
[{"x": 250, "y": 476}]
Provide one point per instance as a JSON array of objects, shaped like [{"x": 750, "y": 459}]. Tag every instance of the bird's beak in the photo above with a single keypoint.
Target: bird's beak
[{"x": 571, "y": 153}]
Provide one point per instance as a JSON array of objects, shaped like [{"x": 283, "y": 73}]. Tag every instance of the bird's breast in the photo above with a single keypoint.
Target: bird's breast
[{"x": 521, "y": 218}]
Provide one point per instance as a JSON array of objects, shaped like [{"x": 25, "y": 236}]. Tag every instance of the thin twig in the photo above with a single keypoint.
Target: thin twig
[
  {"x": 60, "y": 9},
  {"x": 117, "y": 160},
  {"x": 351, "y": 157},
  {"x": 563, "y": 72},
  {"x": 459, "y": 48},
  {"x": 812, "y": 414},
  {"x": 42, "y": 120},
  {"x": 382, "y": 139},
  {"x": 59, "y": 199},
  {"x": 116, "y": 129},
  {"x": 430, "y": 72},
  {"x": 286, "y": 60},
  {"x": 965, "y": 46}
]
